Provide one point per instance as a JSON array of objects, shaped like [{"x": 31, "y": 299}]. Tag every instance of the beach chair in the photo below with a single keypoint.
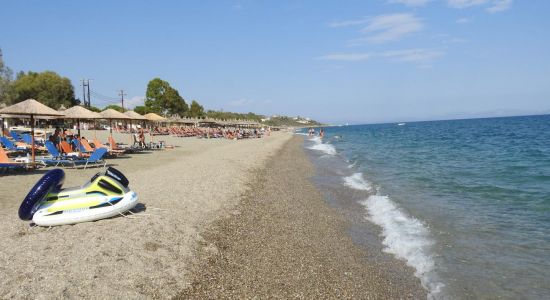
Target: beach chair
[
  {"x": 68, "y": 150},
  {"x": 83, "y": 151},
  {"x": 56, "y": 157},
  {"x": 96, "y": 159},
  {"x": 15, "y": 136},
  {"x": 115, "y": 146},
  {"x": 98, "y": 144},
  {"x": 7, "y": 164},
  {"x": 10, "y": 145},
  {"x": 86, "y": 145},
  {"x": 27, "y": 142}
]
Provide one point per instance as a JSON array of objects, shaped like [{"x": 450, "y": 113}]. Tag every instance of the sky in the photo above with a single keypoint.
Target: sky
[{"x": 334, "y": 61}]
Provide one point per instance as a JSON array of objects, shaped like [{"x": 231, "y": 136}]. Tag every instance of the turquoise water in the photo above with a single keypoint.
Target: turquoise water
[{"x": 465, "y": 202}]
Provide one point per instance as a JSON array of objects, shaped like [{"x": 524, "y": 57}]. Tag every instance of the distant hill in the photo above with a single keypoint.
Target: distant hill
[
  {"x": 268, "y": 121},
  {"x": 290, "y": 121}
]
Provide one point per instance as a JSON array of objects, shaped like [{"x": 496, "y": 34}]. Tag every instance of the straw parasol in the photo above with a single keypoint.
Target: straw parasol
[
  {"x": 134, "y": 115},
  {"x": 78, "y": 113},
  {"x": 31, "y": 108},
  {"x": 111, "y": 114},
  {"x": 153, "y": 117}
]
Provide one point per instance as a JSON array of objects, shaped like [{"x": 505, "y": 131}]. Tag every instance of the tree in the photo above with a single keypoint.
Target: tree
[
  {"x": 140, "y": 109},
  {"x": 94, "y": 109},
  {"x": 6, "y": 75},
  {"x": 196, "y": 110},
  {"x": 113, "y": 106},
  {"x": 163, "y": 99},
  {"x": 46, "y": 87}
]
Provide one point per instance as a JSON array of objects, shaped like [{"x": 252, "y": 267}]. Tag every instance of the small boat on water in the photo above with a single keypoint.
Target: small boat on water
[{"x": 401, "y": 124}]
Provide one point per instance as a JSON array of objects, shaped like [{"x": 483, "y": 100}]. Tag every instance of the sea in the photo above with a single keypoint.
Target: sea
[{"x": 465, "y": 204}]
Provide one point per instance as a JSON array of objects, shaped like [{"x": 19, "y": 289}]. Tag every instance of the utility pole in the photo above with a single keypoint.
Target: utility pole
[
  {"x": 86, "y": 85},
  {"x": 89, "y": 101},
  {"x": 121, "y": 94},
  {"x": 84, "y": 92}
]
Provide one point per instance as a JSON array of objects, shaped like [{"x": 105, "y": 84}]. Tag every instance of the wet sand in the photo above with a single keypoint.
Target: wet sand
[{"x": 284, "y": 241}]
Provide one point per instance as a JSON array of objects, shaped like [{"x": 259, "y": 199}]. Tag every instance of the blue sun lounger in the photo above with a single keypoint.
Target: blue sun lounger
[
  {"x": 16, "y": 137},
  {"x": 57, "y": 158},
  {"x": 95, "y": 159},
  {"x": 9, "y": 144}
]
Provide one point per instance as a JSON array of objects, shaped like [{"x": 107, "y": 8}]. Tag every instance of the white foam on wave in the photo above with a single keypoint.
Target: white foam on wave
[
  {"x": 320, "y": 146},
  {"x": 407, "y": 238},
  {"x": 356, "y": 181}
]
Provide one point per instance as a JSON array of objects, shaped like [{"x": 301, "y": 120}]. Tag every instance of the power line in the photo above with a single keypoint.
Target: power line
[
  {"x": 86, "y": 84},
  {"x": 121, "y": 94}
]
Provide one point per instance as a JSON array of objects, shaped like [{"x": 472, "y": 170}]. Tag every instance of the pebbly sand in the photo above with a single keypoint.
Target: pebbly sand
[
  {"x": 181, "y": 190},
  {"x": 218, "y": 219},
  {"x": 284, "y": 241}
]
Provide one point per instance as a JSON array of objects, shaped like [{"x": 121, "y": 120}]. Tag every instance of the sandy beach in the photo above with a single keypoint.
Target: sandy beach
[
  {"x": 217, "y": 219},
  {"x": 180, "y": 191}
]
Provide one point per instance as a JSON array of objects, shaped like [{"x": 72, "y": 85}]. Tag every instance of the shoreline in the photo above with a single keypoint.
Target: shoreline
[{"x": 284, "y": 240}]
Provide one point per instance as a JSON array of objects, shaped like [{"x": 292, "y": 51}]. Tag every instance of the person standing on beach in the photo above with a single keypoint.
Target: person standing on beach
[{"x": 321, "y": 133}]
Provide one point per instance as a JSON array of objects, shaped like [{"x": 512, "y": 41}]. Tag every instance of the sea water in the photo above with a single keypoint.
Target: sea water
[{"x": 464, "y": 203}]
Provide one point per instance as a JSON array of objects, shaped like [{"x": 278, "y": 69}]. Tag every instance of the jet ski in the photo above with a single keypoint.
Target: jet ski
[{"x": 105, "y": 195}]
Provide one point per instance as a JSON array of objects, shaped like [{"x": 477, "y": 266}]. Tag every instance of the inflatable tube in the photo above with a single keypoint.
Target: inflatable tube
[
  {"x": 50, "y": 182},
  {"x": 110, "y": 207},
  {"x": 105, "y": 195}
]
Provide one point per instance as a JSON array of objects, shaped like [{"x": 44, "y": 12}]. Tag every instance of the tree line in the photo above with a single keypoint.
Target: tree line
[{"x": 55, "y": 91}]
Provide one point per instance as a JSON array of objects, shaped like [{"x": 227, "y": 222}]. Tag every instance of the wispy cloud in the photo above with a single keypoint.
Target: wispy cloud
[
  {"x": 494, "y": 5},
  {"x": 410, "y": 2},
  {"x": 463, "y": 20},
  {"x": 500, "y": 5},
  {"x": 466, "y": 3},
  {"x": 418, "y": 56},
  {"x": 346, "y": 56},
  {"x": 385, "y": 28},
  {"x": 382, "y": 28},
  {"x": 347, "y": 23},
  {"x": 134, "y": 101}
]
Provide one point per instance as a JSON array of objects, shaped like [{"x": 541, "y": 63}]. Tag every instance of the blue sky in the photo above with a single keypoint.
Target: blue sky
[{"x": 336, "y": 61}]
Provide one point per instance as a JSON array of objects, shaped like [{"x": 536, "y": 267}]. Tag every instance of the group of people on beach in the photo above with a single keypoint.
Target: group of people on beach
[
  {"x": 212, "y": 132},
  {"x": 311, "y": 132}
]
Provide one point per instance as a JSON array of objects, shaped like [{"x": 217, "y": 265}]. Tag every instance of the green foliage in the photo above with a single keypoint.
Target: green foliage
[
  {"x": 289, "y": 121},
  {"x": 225, "y": 115},
  {"x": 46, "y": 87},
  {"x": 140, "y": 109},
  {"x": 113, "y": 106},
  {"x": 6, "y": 86},
  {"x": 163, "y": 99},
  {"x": 196, "y": 110},
  {"x": 94, "y": 109}
]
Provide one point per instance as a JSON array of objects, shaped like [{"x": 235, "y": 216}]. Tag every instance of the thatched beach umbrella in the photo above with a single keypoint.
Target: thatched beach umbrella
[
  {"x": 153, "y": 117},
  {"x": 78, "y": 113},
  {"x": 31, "y": 108},
  {"x": 111, "y": 114}
]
